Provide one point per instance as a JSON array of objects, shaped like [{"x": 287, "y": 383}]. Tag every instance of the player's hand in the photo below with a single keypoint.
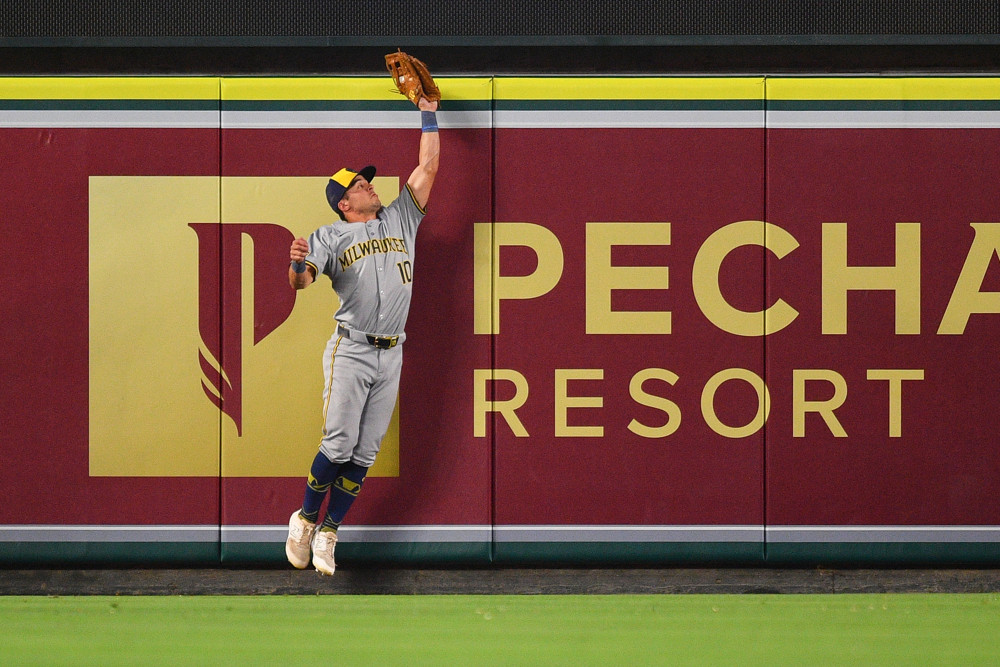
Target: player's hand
[
  {"x": 425, "y": 105},
  {"x": 299, "y": 250}
]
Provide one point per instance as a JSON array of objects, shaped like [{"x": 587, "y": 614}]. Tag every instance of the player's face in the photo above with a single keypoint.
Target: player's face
[{"x": 362, "y": 197}]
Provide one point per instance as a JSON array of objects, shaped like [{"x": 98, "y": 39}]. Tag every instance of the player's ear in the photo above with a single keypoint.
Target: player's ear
[{"x": 343, "y": 206}]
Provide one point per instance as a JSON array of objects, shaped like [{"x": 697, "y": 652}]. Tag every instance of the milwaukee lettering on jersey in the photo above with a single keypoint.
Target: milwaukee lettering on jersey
[{"x": 370, "y": 247}]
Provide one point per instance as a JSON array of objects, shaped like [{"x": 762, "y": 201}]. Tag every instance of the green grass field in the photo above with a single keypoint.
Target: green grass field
[{"x": 899, "y": 629}]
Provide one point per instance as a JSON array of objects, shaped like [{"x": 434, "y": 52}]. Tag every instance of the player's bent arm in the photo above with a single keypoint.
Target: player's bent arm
[
  {"x": 300, "y": 274},
  {"x": 301, "y": 280},
  {"x": 422, "y": 178}
]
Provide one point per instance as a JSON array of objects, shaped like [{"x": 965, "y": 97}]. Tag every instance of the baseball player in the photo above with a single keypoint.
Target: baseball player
[{"x": 369, "y": 258}]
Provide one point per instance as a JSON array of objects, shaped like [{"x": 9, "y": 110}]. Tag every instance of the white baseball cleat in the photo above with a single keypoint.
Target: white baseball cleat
[
  {"x": 323, "y": 544},
  {"x": 300, "y": 535}
]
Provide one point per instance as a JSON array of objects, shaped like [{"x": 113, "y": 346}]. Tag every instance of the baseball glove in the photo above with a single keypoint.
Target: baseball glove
[{"x": 412, "y": 78}]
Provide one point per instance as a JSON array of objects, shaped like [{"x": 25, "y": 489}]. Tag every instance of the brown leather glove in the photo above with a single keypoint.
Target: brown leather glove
[{"x": 412, "y": 78}]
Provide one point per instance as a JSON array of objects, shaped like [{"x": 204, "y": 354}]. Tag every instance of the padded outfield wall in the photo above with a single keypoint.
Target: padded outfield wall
[{"x": 655, "y": 320}]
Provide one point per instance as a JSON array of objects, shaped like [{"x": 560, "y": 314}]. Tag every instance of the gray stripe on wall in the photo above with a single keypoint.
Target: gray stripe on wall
[
  {"x": 109, "y": 533},
  {"x": 625, "y": 119},
  {"x": 250, "y": 534},
  {"x": 886, "y": 534},
  {"x": 351, "y": 119},
  {"x": 629, "y": 533},
  {"x": 519, "y": 533},
  {"x": 113, "y": 118},
  {"x": 882, "y": 119}
]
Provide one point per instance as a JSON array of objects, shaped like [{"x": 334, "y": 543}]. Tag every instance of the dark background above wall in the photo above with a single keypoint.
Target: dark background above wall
[
  {"x": 499, "y": 36},
  {"x": 472, "y": 60},
  {"x": 325, "y": 23}
]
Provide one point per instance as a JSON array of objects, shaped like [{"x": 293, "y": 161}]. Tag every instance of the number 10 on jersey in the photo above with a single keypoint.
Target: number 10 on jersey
[{"x": 405, "y": 271}]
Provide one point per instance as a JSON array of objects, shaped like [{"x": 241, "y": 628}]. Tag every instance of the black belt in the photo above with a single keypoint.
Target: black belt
[{"x": 381, "y": 342}]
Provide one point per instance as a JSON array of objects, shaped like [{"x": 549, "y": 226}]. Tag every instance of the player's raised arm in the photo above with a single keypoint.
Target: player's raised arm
[
  {"x": 414, "y": 81},
  {"x": 300, "y": 274},
  {"x": 422, "y": 178}
]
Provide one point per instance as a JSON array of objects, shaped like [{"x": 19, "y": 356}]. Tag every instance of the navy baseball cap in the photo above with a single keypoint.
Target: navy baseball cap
[{"x": 342, "y": 180}]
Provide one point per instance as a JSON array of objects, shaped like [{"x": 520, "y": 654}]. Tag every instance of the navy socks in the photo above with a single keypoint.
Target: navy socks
[
  {"x": 341, "y": 480},
  {"x": 342, "y": 494},
  {"x": 321, "y": 478}
]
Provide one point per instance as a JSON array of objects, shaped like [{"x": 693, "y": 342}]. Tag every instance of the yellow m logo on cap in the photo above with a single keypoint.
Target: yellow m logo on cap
[{"x": 344, "y": 177}]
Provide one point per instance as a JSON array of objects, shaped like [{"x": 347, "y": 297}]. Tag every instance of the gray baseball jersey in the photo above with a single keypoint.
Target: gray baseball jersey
[{"x": 370, "y": 266}]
